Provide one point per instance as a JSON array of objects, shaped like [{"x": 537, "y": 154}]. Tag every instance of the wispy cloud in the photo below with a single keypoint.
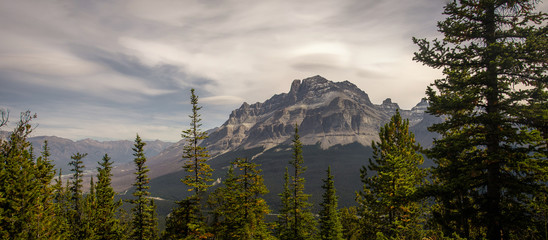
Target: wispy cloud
[{"x": 106, "y": 69}]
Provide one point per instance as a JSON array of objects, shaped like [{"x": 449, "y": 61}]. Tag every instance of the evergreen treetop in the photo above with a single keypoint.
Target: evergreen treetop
[
  {"x": 494, "y": 57},
  {"x": 387, "y": 201},
  {"x": 26, "y": 203},
  {"x": 144, "y": 223},
  {"x": 330, "y": 223},
  {"x": 199, "y": 171},
  {"x": 108, "y": 224},
  {"x": 301, "y": 221}
]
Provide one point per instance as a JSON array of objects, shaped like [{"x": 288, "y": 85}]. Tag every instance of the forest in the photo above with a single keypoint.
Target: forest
[{"x": 489, "y": 180}]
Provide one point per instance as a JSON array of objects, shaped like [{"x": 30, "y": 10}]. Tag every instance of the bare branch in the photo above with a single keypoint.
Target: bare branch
[{"x": 5, "y": 116}]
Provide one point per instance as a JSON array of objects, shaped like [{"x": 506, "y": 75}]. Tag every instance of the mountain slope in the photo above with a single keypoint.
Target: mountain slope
[
  {"x": 328, "y": 113},
  {"x": 61, "y": 149},
  {"x": 337, "y": 123}
]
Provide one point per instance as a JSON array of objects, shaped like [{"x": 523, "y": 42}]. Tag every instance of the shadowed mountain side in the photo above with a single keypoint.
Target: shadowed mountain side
[
  {"x": 328, "y": 114},
  {"x": 345, "y": 162}
]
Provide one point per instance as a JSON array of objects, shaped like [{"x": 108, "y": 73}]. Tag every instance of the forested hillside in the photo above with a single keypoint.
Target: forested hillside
[{"x": 486, "y": 179}]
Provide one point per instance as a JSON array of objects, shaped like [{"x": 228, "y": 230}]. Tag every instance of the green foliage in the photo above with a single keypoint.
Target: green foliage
[
  {"x": 350, "y": 222},
  {"x": 182, "y": 223},
  {"x": 26, "y": 203},
  {"x": 238, "y": 206},
  {"x": 492, "y": 155},
  {"x": 77, "y": 217},
  {"x": 90, "y": 220},
  {"x": 300, "y": 221},
  {"x": 107, "y": 223},
  {"x": 47, "y": 224},
  {"x": 330, "y": 223},
  {"x": 386, "y": 202},
  {"x": 187, "y": 220},
  {"x": 199, "y": 171},
  {"x": 283, "y": 229},
  {"x": 62, "y": 208},
  {"x": 144, "y": 223}
]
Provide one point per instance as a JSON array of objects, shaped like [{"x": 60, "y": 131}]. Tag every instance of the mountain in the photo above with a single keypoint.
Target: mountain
[
  {"x": 61, "y": 149},
  {"x": 337, "y": 123},
  {"x": 328, "y": 113}
]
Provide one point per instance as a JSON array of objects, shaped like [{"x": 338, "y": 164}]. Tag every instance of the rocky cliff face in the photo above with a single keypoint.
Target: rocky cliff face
[
  {"x": 327, "y": 113},
  {"x": 337, "y": 123}
]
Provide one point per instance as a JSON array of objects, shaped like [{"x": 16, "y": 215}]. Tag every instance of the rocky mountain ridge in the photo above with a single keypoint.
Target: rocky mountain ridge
[
  {"x": 337, "y": 123},
  {"x": 332, "y": 116},
  {"x": 328, "y": 113}
]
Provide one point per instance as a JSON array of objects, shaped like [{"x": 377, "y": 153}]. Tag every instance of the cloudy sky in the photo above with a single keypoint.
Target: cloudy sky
[{"x": 109, "y": 69}]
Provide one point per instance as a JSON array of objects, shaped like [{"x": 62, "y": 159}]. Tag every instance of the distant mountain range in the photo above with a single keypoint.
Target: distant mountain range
[
  {"x": 61, "y": 149},
  {"x": 337, "y": 123}
]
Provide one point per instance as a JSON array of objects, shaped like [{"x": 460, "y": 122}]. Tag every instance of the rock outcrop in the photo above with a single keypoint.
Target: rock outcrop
[{"x": 327, "y": 113}]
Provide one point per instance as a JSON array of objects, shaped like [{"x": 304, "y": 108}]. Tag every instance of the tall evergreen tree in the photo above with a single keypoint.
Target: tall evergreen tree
[
  {"x": 26, "y": 204},
  {"x": 76, "y": 214},
  {"x": 61, "y": 206},
  {"x": 239, "y": 207},
  {"x": 386, "y": 202},
  {"x": 90, "y": 215},
  {"x": 108, "y": 225},
  {"x": 494, "y": 56},
  {"x": 46, "y": 224},
  {"x": 223, "y": 202},
  {"x": 187, "y": 218},
  {"x": 301, "y": 221},
  {"x": 144, "y": 224},
  {"x": 199, "y": 171},
  {"x": 283, "y": 229},
  {"x": 330, "y": 222}
]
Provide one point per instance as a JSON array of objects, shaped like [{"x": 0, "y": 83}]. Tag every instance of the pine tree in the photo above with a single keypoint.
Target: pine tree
[
  {"x": 45, "y": 224},
  {"x": 223, "y": 201},
  {"x": 330, "y": 223},
  {"x": 108, "y": 225},
  {"x": 14, "y": 185},
  {"x": 253, "y": 207},
  {"x": 239, "y": 208},
  {"x": 125, "y": 218},
  {"x": 152, "y": 219},
  {"x": 199, "y": 171},
  {"x": 283, "y": 230},
  {"x": 301, "y": 221},
  {"x": 187, "y": 218},
  {"x": 350, "y": 222},
  {"x": 26, "y": 205},
  {"x": 90, "y": 215},
  {"x": 61, "y": 207},
  {"x": 180, "y": 223},
  {"x": 144, "y": 223},
  {"x": 494, "y": 56},
  {"x": 386, "y": 202},
  {"x": 76, "y": 213}
]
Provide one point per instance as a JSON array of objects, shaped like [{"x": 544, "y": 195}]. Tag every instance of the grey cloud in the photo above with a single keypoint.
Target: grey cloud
[
  {"x": 139, "y": 58},
  {"x": 163, "y": 76}
]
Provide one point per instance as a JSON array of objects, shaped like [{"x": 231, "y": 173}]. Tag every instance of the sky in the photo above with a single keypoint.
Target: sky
[{"x": 107, "y": 70}]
